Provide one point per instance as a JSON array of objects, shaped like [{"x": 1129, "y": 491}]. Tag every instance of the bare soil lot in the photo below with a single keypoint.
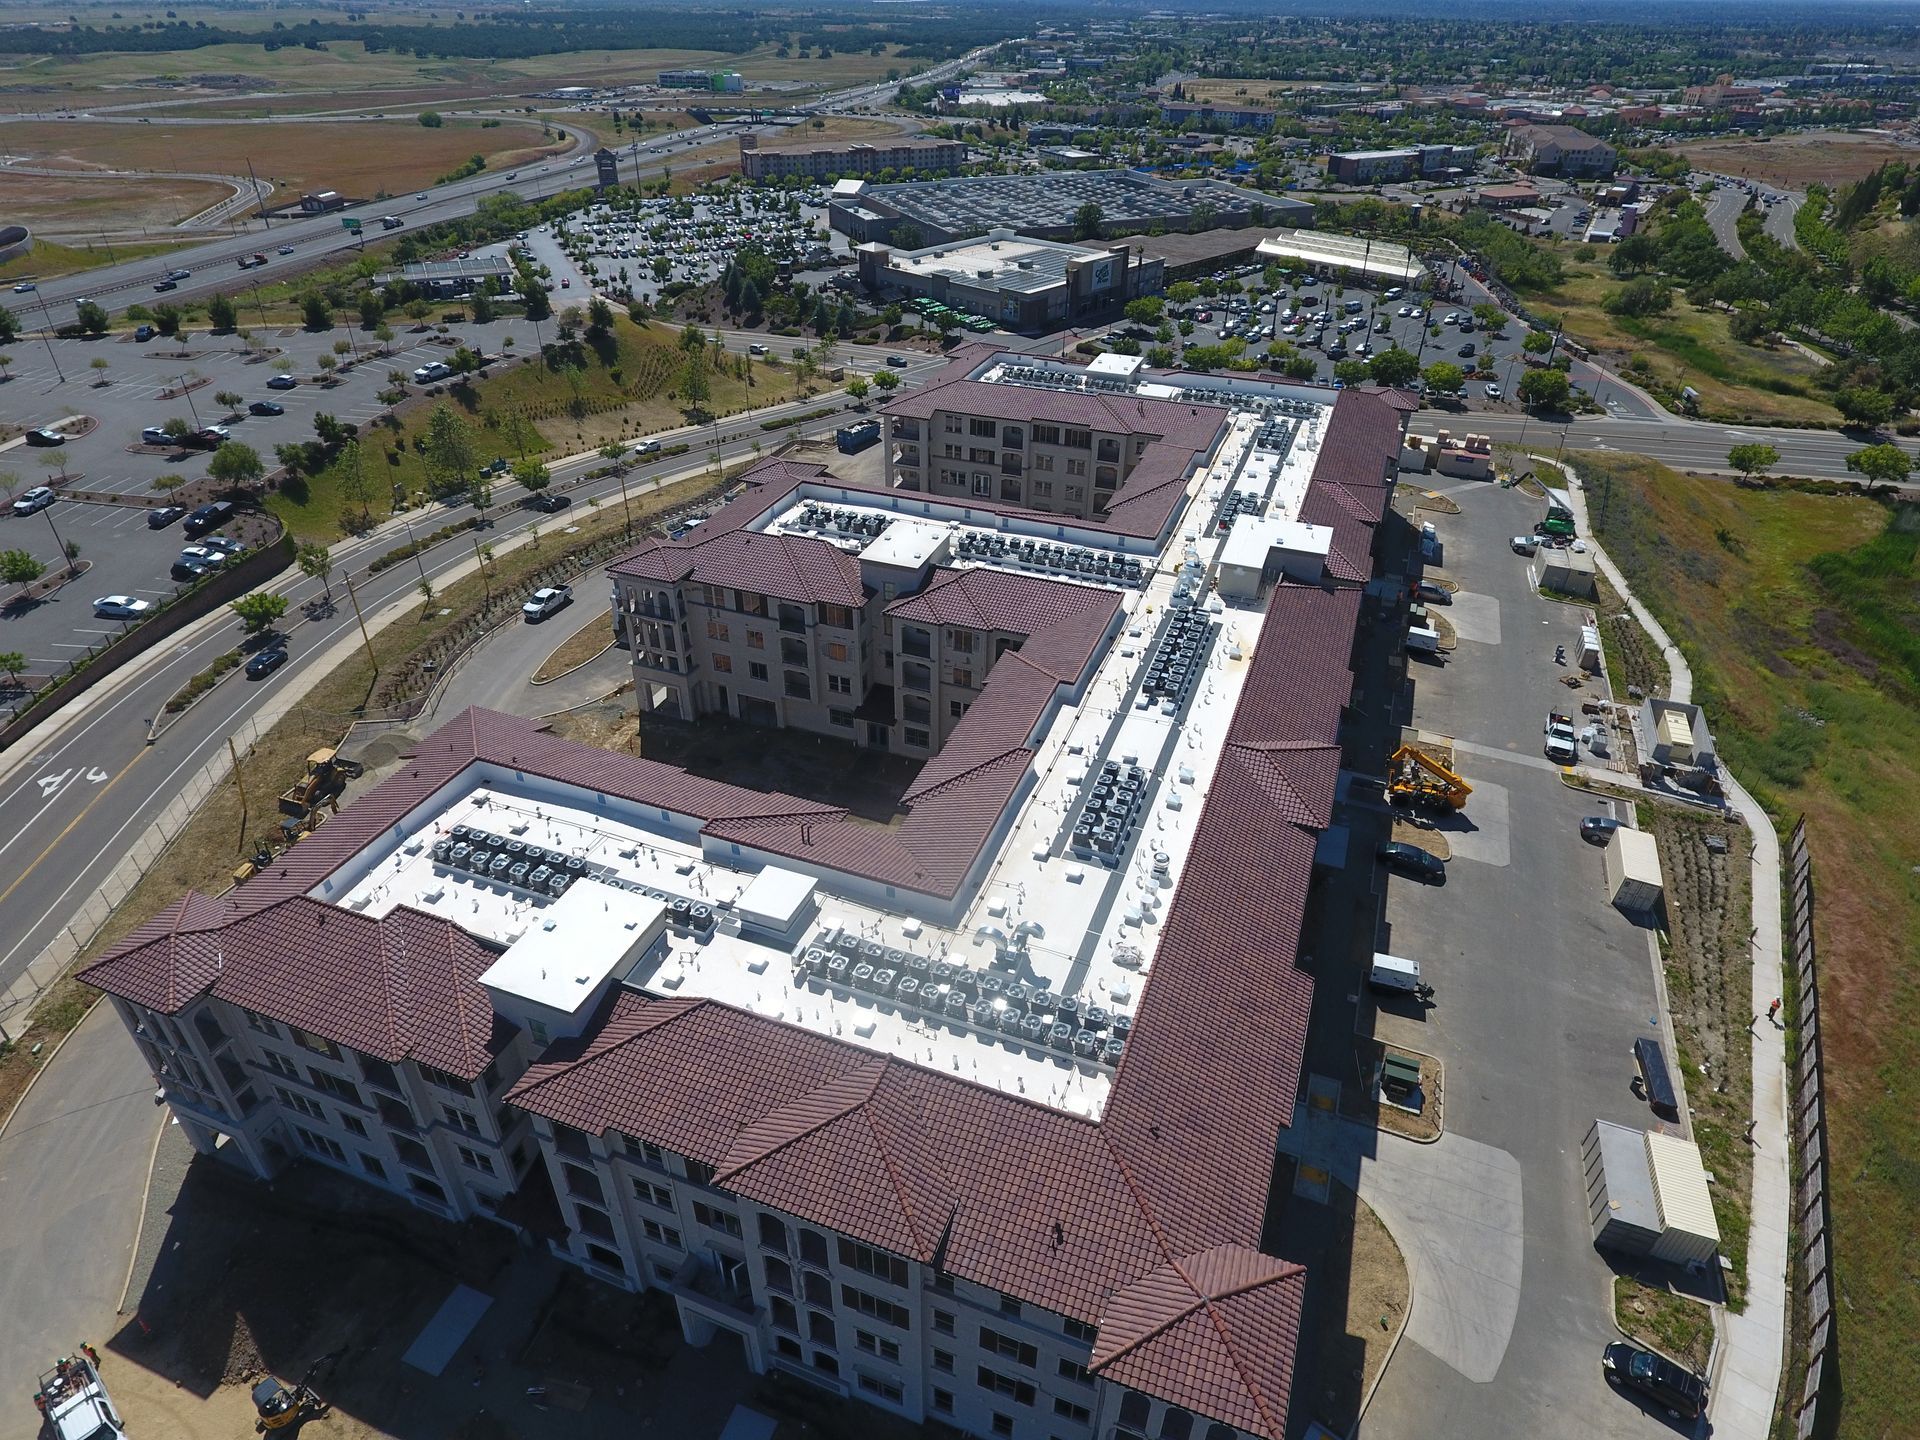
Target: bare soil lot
[
  {"x": 1832, "y": 157},
  {"x": 356, "y": 157},
  {"x": 55, "y": 204}
]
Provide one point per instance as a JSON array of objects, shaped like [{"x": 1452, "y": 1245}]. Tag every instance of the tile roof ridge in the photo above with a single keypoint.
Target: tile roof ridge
[
  {"x": 972, "y": 770},
  {"x": 651, "y": 1020},
  {"x": 1121, "y": 1164},
  {"x": 1207, "y": 1302},
  {"x": 901, "y": 1192},
  {"x": 863, "y": 1079}
]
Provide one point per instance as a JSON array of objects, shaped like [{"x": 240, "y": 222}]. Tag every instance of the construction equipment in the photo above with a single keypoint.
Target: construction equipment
[
  {"x": 72, "y": 1400},
  {"x": 280, "y": 1405},
  {"x": 1416, "y": 778},
  {"x": 327, "y": 775}
]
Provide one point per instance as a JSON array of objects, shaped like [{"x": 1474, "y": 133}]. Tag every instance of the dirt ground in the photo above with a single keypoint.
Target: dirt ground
[
  {"x": 1365, "y": 1294},
  {"x": 51, "y": 204},
  {"x": 1832, "y": 157},
  {"x": 587, "y": 641},
  {"x": 1709, "y": 910}
]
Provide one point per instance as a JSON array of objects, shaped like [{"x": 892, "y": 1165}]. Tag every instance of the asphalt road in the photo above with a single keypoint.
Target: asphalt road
[
  {"x": 1724, "y": 208},
  {"x": 1536, "y": 1034}
]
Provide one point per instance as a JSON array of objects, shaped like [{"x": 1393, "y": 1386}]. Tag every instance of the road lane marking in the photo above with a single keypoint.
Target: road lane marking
[{"x": 54, "y": 843}]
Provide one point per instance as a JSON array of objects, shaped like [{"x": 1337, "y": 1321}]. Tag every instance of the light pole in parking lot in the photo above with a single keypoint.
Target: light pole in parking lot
[
  {"x": 47, "y": 336},
  {"x": 58, "y": 543}
]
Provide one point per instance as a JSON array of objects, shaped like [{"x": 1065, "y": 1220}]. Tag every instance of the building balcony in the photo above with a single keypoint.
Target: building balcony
[{"x": 702, "y": 1289}]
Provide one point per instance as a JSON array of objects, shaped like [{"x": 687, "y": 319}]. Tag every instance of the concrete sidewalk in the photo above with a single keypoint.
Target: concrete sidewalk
[{"x": 1746, "y": 1385}]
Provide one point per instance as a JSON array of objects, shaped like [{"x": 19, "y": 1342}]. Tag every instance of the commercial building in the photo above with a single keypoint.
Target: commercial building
[
  {"x": 1027, "y": 285},
  {"x": 1559, "y": 150},
  {"x": 1047, "y": 206},
  {"x": 450, "y": 279},
  {"x": 320, "y": 202},
  {"x": 1358, "y": 255},
  {"x": 725, "y": 81},
  {"x": 916, "y": 1112},
  {"x": 1373, "y": 167},
  {"x": 1210, "y": 116},
  {"x": 818, "y": 162}
]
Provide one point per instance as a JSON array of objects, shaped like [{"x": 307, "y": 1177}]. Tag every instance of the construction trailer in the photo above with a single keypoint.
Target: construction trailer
[
  {"x": 1634, "y": 881},
  {"x": 1647, "y": 1194}
]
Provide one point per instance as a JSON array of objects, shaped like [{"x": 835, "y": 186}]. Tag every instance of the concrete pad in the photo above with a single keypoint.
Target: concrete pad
[
  {"x": 1475, "y": 617},
  {"x": 447, "y": 1331},
  {"x": 1483, "y": 831}
]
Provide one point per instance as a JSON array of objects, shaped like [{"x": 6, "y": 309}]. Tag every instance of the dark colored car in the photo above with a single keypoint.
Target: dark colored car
[
  {"x": 144, "y": 333},
  {"x": 550, "y": 504},
  {"x": 1412, "y": 860},
  {"x": 896, "y": 359},
  {"x": 266, "y": 662},
  {"x": 188, "y": 571},
  {"x": 1681, "y": 1393},
  {"x": 164, "y": 516},
  {"x": 1598, "y": 829},
  {"x": 209, "y": 517},
  {"x": 45, "y": 438},
  {"x": 282, "y": 382},
  {"x": 266, "y": 407}
]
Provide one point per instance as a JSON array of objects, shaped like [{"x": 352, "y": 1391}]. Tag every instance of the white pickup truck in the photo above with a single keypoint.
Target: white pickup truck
[{"x": 1561, "y": 746}]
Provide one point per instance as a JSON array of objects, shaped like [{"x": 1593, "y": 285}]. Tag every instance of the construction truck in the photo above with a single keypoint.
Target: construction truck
[
  {"x": 72, "y": 1400},
  {"x": 1415, "y": 777},
  {"x": 327, "y": 775}
]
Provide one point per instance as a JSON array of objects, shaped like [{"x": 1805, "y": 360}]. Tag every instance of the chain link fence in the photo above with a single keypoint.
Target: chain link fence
[{"x": 1812, "y": 1277}]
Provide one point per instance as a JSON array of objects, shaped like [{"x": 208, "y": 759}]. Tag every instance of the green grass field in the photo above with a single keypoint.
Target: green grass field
[
  {"x": 1798, "y": 614},
  {"x": 47, "y": 260}
]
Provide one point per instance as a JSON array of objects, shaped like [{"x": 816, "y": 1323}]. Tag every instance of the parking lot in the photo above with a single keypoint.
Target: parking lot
[{"x": 1541, "y": 989}]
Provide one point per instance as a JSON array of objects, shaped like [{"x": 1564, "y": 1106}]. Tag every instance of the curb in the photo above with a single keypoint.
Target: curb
[
  {"x": 59, "y": 1045},
  {"x": 1393, "y": 1347},
  {"x": 146, "y": 1195},
  {"x": 583, "y": 664}
]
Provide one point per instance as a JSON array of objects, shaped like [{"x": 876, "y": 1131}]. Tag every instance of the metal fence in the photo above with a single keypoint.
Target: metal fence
[{"x": 1813, "y": 1254}]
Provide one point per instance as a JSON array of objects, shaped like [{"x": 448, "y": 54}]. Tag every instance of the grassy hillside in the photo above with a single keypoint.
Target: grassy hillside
[{"x": 1800, "y": 615}]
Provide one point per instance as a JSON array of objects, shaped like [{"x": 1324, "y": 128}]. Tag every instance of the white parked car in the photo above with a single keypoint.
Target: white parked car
[
  {"x": 545, "y": 602},
  {"x": 1493, "y": 392},
  {"x": 432, "y": 370},
  {"x": 31, "y": 502},
  {"x": 120, "y": 607},
  {"x": 1524, "y": 544}
]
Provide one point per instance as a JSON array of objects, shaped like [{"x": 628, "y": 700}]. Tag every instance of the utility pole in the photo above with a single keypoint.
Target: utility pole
[
  {"x": 240, "y": 785},
  {"x": 364, "y": 638},
  {"x": 191, "y": 407},
  {"x": 259, "y": 200},
  {"x": 58, "y": 543},
  {"x": 47, "y": 336},
  {"x": 624, "y": 506}
]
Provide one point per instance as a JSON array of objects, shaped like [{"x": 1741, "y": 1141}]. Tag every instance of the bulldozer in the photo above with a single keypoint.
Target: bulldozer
[
  {"x": 1416, "y": 778},
  {"x": 327, "y": 775}
]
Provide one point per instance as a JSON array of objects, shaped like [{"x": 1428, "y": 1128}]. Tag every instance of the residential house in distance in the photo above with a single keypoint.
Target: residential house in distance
[{"x": 817, "y": 162}]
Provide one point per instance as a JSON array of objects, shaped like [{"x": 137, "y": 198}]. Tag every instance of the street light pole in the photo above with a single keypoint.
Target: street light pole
[
  {"x": 191, "y": 407},
  {"x": 58, "y": 543},
  {"x": 47, "y": 336},
  {"x": 364, "y": 638},
  {"x": 414, "y": 545}
]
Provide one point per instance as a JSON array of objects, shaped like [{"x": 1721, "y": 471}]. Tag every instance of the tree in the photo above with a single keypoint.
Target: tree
[
  {"x": 1394, "y": 366},
  {"x": 857, "y": 387},
  {"x": 613, "y": 452},
  {"x": 1545, "y": 389},
  {"x": 100, "y": 365},
  {"x": 12, "y": 663},
  {"x": 1645, "y": 296},
  {"x": 885, "y": 381},
  {"x": 1865, "y": 405},
  {"x": 431, "y": 119},
  {"x": 448, "y": 451},
  {"x": 177, "y": 427},
  {"x": 535, "y": 476},
  {"x": 418, "y": 310},
  {"x": 1491, "y": 317},
  {"x": 259, "y": 611},
  {"x": 222, "y": 314},
  {"x": 283, "y": 365},
  {"x": 316, "y": 312},
  {"x": 1634, "y": 255},
  {"x": 482, "y": 308},
  {"x": 356, "y": 486},
  {"x": 1146, "y": 310},
  {"x": 5, "y": 361},
  {"x": 316, "y": 563},
  {"x": 92, "y": 317},
  {"x": 1350, "y": 372},
  {"x": 383, "y": 333},
  {"x": 372, "y": 306},
  {"x": 1443, "y": 377},
  {"x": 18, "y": 567},
  {"x": 1881, "y": 465},
  {"x": 599, "y": 316},
  {"x": 236, "y": 465},
  {"x": 1086, "y": 221},
  {"x": 9, "y": 326},
  {"x": 167, "y": 318},
  {"x": 1753, "y": 459},
  {"x": 1538, "y": 342},
  {"x": 694, "y": 390},
  {"x": 327, "y": 365},
  {"x": 230, "y": 400}
]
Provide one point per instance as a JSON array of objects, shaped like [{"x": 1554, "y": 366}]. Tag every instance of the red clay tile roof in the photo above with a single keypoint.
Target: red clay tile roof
[
  {"x": 403, "y": 987},
  {"x": 1220, "y": 1326},
  {"x": 788, "y": 567}
]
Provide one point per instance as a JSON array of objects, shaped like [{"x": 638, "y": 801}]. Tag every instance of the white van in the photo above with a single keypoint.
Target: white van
[{"x": 1390, "y": 972}]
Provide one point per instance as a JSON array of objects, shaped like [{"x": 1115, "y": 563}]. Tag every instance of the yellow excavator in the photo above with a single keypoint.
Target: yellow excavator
[
  {"x": 1415, "y": 778},
  {"x": 327, "y": 775}
]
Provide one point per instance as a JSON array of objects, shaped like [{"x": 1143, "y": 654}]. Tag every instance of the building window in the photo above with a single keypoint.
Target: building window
[
  {"x": 779, "y": 1275},
  {"x": 1133, "y": 1410},
  {"x": 261, "y": 1023},
  {"x": 583, "y": 1183},
  {"x": 789, "y": 1349},
  {"x": 874, "y": 1345},
  {"x": 785, "y": 1317},
  {"x": 312, "y": 1109},
  {"x": 314, "y": 1043},
  {"x": 1002, "y": 1424},
  {"x": 915, "y": 675},
  {"x": 1067, "y": 1410},
  {"x": 1018, "y": 1351},
  {"x": 756, "y": 639},
  {"x": 798, "y": 686},
  {"x": 353, "y": 1126},
  {"x": 820, "y": 1328},
  {"x": 605, "y": 1258},
  {"x": 983, "y": 486},
  {"x": 1074, "y": 1370},
  {"x": 956, "y": 708},
  {"x": 875, "y": 1308},
  {"x": 280, "y": 1064},
  {"x": 474, "y": 1160},
  {"x": 842, "y": 718},
  {"x": 825, "y": 1363},
  {"x": 460, "y": 1119},
  {"x": 838, "y": 616},
  {"x": 1079, "y": 1330},
  {"x": 1010, "y": 1306},
  {"x": 943, "y": 1361},
  {"x": 818, "y": 1289},
  {"x": 645, "y": 1151},
  {"x": 983, "y": 429},
  {"x": 1046, "y": 434},
  {"x": 885, "y": 1389},
  {"x": 371, "y": 1164},
  {"x": 412, "y": 1154},
  {"x": 717, "y": 630},
  {"x": 661, "y": 1234},
  {"x": 756, "y": 671},
  {"x": 321, "y": 1145},
  {"x": 1176, "y": 1424},
  {"x": 594, "y": 1222},
  {"x": 716, "y": 1219},
  {"x": 1020, "y": 1391},
  {"x": 773, "y": 1232},
  {"x": 963, "y": 679},
  {"x": 569, "y": 1141},
  {"x": 837, "y": 650},
  {"x": 919, "y": 739},
  {"x": 429, "y": 1189},
  {"x": 840, "y": 684},
  {"x": 380, "y": 1074},
  {"x": 1077, "y": 439},
  {"x": 916, "y": 710},
  {"x": 793, "y": 652},
  {"x": 723, "y": 664},
  {"x": 441, "y": 1080},
  {"x": 942, "y": 1322},
  {"x": 813, "y": 1247}
]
